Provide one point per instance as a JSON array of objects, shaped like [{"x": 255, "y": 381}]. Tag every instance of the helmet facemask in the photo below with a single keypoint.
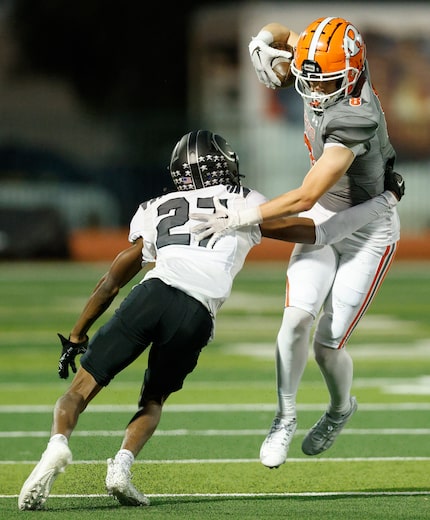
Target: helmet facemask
[{"x": 346, "y": 80}]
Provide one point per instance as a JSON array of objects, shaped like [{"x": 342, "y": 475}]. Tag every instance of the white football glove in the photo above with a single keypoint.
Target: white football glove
[
  {"x": 262, "y": 56},
  {"x": 223, "y": 219}
]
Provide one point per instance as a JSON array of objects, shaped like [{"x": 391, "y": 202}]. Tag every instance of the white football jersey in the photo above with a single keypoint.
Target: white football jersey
[{"x": 180, "y": 260}]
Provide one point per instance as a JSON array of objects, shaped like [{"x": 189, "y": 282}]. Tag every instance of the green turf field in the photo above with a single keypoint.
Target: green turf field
[{"x": 203, "y": 463}]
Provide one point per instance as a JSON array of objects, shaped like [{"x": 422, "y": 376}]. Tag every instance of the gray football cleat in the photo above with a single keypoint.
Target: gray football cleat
[{"x": 323, "y": 433}]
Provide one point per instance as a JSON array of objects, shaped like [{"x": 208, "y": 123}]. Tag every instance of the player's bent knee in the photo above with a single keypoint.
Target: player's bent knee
[
  {"x": 295, "y": 322},
  {"x": 84, "y": 385}
]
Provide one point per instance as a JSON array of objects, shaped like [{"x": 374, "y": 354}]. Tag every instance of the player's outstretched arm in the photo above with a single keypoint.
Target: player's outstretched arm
[
  {"x": 290, "y": 229},
  {"x": 346, "y": 222},
  {"x": 271, "y": 215},
  {"x": 304, "y": 231},
  {"x": 125, "y": 266}
]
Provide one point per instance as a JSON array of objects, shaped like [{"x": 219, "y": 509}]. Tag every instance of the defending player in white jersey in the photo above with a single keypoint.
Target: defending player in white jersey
[
  {"x": 172, "y": 310},
  {"x": 351, "y": 160}
]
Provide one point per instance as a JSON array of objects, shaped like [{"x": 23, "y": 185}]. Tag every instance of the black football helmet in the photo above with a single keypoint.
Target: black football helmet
[{"x": 201, "y": 159}]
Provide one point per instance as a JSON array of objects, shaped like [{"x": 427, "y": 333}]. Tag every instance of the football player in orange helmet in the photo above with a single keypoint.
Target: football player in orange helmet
[
  {"x": 351, "y": 161},
  {"x": 328, "y": 61}
]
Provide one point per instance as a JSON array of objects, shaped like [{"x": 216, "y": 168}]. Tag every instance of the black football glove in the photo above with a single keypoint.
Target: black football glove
[
  {"x": 69, "y": 352},
  {"x": 394, "y": 182}
]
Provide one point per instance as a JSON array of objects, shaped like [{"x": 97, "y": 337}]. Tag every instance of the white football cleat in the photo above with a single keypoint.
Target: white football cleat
[
  {"x": 37, "y": 487},
  {"x": 118, "y": 485},
  {"x": 275, "y": 446}
]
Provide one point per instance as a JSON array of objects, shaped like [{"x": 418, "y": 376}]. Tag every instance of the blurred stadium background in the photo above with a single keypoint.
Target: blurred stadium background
[{"x": 94, "y": 94}]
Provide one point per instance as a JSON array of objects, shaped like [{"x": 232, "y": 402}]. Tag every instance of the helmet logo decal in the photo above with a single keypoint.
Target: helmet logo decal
[{"x": 353, "y": 43}]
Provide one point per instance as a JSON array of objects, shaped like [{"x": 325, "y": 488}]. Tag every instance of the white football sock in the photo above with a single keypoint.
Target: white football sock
[
  {"x": 337, "y": 369},
  {"x": 292, "y": 350},
  {"x": 125, "y": 458},
  {"x": 59, "y": 437}
]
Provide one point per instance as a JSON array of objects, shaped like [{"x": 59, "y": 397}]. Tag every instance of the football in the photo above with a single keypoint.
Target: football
[{"x": 281, "y": 66}]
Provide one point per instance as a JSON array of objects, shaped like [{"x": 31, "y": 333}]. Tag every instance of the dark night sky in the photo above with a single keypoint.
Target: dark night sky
[
  {"x": 115, "y": 53},
  {"x": 112, "y": 52}
]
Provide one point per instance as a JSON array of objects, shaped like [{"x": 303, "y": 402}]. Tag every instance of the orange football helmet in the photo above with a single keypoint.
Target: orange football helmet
[{"x": 328, "y": 49}]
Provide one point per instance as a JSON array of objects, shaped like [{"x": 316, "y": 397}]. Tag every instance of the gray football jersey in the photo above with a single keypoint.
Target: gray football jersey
[{"x": 359, "y": 124}]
